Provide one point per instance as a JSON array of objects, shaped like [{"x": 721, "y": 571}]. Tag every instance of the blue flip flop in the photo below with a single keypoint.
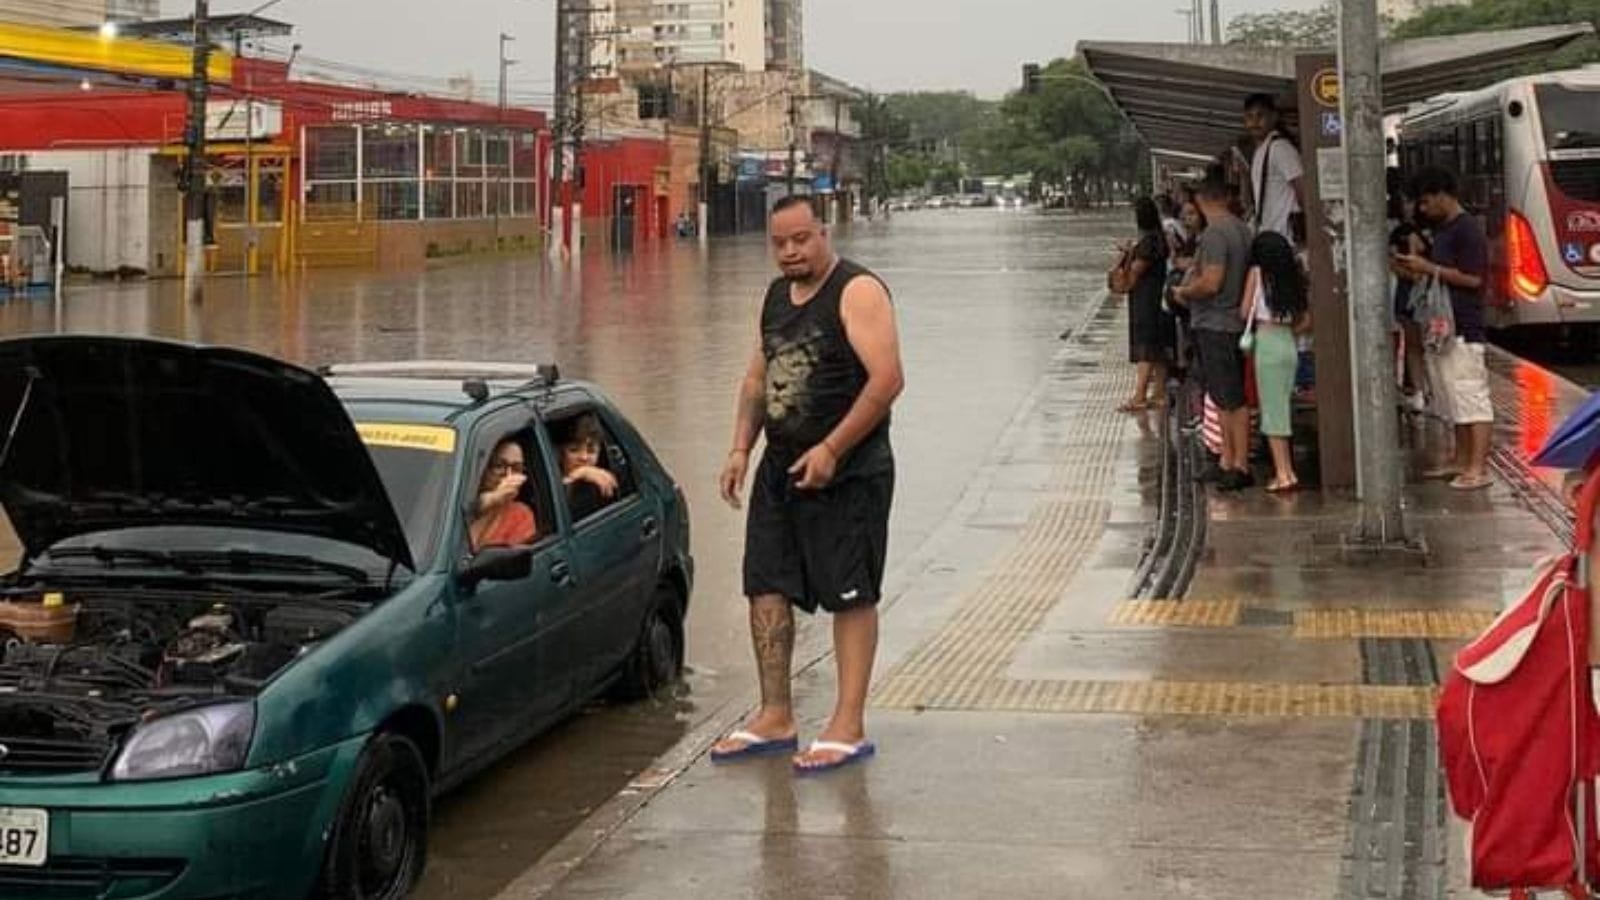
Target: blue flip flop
[
  {"x": 853, "y": 753},
  {"x": 755, "y": 745}
]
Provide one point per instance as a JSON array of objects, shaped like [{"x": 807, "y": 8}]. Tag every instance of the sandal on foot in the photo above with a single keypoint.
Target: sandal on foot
[
  {"x": 1133, "y": 406},
  {"x": 853, "y": 753},
  {"x": 1466, "y": 483},
  {"x": 1284, "y": 487},
  {"x": 1440, "y": 473},
  {"x": 753, "y": 744}
]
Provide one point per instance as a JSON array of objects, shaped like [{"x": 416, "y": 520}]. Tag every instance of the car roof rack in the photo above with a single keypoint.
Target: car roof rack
[{"x": 475, "y": 377}]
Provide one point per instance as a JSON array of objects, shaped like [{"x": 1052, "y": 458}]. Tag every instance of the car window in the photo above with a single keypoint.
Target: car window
[
  {"x": 583, "y": 441},
  {"x": 493, "y": 448}
]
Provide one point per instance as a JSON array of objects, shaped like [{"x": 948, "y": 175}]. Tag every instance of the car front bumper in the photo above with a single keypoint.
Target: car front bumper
[{"x": 255, "y": 834}]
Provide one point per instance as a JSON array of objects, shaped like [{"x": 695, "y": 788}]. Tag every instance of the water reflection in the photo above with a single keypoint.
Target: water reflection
[{"x": 666, "y": 331}]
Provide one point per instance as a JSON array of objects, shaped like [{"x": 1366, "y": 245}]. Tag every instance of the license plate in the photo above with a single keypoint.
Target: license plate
[{"x": 24, "y": 836}]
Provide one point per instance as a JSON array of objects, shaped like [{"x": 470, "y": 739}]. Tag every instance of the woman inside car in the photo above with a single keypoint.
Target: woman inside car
[{"x": 503, "y": 520}]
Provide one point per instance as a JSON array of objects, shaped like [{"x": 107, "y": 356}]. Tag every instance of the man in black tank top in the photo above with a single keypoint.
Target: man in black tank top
[{"x": 819, "y": 388}]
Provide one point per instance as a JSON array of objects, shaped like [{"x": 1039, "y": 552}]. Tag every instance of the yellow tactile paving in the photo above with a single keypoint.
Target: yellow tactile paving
[
  {"x": 1376, "y": 623},
  {"x": 1314, "y": 624},
  {"x": 1178, "y": 613},
  {"x": 1169, "y": 698}
]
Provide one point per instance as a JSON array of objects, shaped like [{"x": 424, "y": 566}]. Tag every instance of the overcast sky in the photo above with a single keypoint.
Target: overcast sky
[{"x": 883, "y": 45}]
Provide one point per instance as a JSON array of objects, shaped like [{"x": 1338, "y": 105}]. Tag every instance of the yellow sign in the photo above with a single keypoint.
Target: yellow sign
[
  {"x": 1325, "y": 88},
  {"x": 120, "y": 55},
  {"x": 435, "y": 438}
]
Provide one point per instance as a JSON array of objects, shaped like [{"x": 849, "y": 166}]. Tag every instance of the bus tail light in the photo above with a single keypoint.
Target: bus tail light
[{"x": 1525, "y": 265}]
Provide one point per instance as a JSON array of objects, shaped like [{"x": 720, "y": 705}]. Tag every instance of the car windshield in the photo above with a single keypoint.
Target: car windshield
[
  {"x": 1571, "y": 116},
  {"x": 416, "y": 464}
]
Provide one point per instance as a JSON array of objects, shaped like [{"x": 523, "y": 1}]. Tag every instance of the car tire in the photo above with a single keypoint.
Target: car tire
[
  {"x": 379, "y": 842},
  {"x": 657, "y": 657}
]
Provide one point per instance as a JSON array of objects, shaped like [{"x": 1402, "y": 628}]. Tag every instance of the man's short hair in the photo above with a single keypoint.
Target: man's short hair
[
  {"x": 1214, "y": 190},
  {"x": 795, "y": 201},
  {"x": 578, "y": 429},
  {"x": 1434, "y": 180},
  {"x": 1261, "y": 101}
]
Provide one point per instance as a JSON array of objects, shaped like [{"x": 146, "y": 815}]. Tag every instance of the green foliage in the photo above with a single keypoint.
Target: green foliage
[
  {"x": 1489, "y": 15},
  {"x": 1316, "y": 27}
]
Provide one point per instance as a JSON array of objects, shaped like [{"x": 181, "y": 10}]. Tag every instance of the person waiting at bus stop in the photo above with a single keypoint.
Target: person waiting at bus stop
[{"x": 1458, "y": 372}]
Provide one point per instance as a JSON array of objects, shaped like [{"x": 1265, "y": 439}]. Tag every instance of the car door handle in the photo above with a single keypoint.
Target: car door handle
[
  {"x": 650, "y": 529},
  {"x": 561, "y": 573}
]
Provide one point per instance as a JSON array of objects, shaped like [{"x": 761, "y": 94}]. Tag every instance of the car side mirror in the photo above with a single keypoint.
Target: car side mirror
[{"x": 496, "y": 564}]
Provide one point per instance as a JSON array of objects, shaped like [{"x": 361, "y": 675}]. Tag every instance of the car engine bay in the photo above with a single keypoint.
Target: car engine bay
[{"x": 75, "y": 676}]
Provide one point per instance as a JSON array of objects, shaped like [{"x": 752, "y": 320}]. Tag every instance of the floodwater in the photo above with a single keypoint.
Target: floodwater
[{"x": 981, "y": 296}]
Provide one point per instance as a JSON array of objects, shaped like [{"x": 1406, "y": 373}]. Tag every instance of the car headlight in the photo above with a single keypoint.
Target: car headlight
[{"x": 200, "y": 741}]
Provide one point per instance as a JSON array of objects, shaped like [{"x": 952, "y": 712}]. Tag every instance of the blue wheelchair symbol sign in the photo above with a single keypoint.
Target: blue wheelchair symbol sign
[
  {"x": 1573, "y": 253},
  {"x": 1332, "y": 125}
]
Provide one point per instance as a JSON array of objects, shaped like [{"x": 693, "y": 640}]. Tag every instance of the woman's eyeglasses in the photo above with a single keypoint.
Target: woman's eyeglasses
[{"x": 507, "y": 465}]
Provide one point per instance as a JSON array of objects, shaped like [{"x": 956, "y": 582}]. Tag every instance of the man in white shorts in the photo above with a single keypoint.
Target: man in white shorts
[{"x": 1457, "y": 371}]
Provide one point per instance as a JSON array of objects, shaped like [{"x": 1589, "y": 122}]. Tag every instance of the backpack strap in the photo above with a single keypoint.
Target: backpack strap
[{"x": 1261, "y": 187}]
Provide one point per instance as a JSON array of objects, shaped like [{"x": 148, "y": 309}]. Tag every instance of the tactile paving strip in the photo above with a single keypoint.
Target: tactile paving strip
[
  {"x": 1308, "y": 624},
  {"x": 1182, "y": 698}
]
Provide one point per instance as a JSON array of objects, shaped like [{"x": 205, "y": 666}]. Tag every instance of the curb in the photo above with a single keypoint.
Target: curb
[{"x": 813, "y": 647}]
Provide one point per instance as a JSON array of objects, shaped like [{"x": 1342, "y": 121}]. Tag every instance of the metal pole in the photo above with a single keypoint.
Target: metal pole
[
  {"x": 1379, "y": 479},
  {"x": 838, "y": 152},
  {"x": 705, "y": 157},
  {"x": 195, "y": 164},
  {"x": 1216, "y": 21},
  {"x": 794, "y": 137},
  {"x": 558, "y": 136}
]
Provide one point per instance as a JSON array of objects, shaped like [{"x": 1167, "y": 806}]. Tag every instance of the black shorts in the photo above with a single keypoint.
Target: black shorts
[
  {"x": 1221, "y": 368},
  {"x": 817, "y": 548}
]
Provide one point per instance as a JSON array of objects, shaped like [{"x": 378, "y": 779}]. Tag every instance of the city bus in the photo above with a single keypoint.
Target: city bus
[{"x": 1527, "y": 152}]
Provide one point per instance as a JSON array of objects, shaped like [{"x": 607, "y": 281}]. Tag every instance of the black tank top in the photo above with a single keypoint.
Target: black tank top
[{"x": 814, "y": 375}]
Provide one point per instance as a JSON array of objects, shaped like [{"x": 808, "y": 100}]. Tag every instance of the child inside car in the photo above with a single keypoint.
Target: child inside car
[{"x": 579, "y": 442}]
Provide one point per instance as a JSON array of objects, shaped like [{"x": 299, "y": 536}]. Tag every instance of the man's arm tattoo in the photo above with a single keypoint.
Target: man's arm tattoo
[{"x": 773, "y": 632}]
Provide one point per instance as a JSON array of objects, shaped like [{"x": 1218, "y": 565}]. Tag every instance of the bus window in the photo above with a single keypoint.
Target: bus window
[{"x": 1570, "y": 116}]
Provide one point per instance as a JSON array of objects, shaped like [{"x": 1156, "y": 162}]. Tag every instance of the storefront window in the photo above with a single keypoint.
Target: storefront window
[
  {"x": 525, "y": 155},
  {"x": 469, "y": 153},
  {"x": 390, "y": 200},
  {"x": 522, "y": 194},
  {"x": 469, "y": 199},
  {"x": 269, "y": 193},
  {"x": 389, "y": 151},
  {"x": 330, "y": 152},
  {"x": 439, "y": 151},
  {"x": 331, "y": 201},
  {"x": 441, "y": 199}
]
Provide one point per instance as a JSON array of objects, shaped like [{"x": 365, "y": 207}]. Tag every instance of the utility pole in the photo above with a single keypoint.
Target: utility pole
[
  {"x": 705, "y": 157},
  {"x": 1216, "y": 21},
  {"x": 504, "y": 64},
  {"x": 794, "y": 138},
  {"x": 558, "y": 132},
  {"x": 195, "y": 164},
  {"x": 838, "y": 155},
  {"x": 1379, "y": 473}
]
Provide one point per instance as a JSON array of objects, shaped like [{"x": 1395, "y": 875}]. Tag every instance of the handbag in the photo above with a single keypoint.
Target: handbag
[
  {"x": 1247, "y": 338},
  {"x": 1119, "y": 280}
]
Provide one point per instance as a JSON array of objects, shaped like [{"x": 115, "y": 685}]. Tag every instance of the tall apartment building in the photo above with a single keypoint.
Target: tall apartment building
[
  {"x": 786, "y": 40},
  {"x": 78, "y": 13},
  {"x": 752, "y": 34}
]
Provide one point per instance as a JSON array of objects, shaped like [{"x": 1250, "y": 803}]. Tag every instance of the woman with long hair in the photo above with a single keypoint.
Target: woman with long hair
[
  {"x": 1277, "y": 308},
  {"x": 1150, "y": 333}
]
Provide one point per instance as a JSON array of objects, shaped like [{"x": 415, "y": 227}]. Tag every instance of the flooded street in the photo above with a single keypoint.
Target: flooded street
[{"x": 981, "y": 294}]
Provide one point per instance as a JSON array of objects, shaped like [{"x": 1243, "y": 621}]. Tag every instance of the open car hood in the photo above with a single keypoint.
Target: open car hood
[{"x": 116, "y": 432}]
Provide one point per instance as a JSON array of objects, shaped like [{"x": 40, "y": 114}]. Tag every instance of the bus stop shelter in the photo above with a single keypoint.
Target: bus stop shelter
[{"x": 1186, "y": 100}]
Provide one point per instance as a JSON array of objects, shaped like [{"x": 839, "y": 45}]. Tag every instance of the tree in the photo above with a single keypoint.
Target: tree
[
  {"x": 1487, "y": 15},
  {"x": 1317, "y": 27}
]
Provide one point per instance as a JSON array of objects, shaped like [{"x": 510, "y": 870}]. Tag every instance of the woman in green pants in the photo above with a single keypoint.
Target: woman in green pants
[{"x": 1275, "y": 298}]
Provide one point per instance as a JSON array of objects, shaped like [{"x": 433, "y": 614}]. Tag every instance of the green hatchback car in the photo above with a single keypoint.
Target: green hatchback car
[{"x": 252, "y": 632}]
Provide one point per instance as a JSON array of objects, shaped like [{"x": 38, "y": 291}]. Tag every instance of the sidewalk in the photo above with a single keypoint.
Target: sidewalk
[{"x": 1041, "y": 736}]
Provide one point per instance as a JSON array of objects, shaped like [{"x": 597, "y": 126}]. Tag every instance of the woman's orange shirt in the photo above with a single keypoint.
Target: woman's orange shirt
[{"x": 512, "y": 526}]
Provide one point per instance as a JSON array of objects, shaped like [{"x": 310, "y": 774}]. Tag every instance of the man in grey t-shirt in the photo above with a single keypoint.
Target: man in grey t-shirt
[{"x": 1214, "y": 293}]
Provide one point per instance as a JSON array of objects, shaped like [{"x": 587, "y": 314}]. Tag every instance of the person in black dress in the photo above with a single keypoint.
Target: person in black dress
[{"x": 1150, "y": 329}]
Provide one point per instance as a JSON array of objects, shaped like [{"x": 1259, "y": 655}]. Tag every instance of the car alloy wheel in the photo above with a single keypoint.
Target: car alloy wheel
[{"x": 657, "y": 657}]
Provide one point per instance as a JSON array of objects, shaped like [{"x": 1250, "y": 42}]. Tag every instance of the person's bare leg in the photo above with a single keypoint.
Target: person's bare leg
[
  {"x": 1282, "y": 461},
  {"x": 1236, "y": 439},
  {"x": 855, "y": 645},
  {"x": 1141, "y": 386},
  {"x": 1479, "y": 435},
  {"x": 1158, "y": 383},
  {"x": 1463, "y": 436},
  {"x": 772, "y": 633}
]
